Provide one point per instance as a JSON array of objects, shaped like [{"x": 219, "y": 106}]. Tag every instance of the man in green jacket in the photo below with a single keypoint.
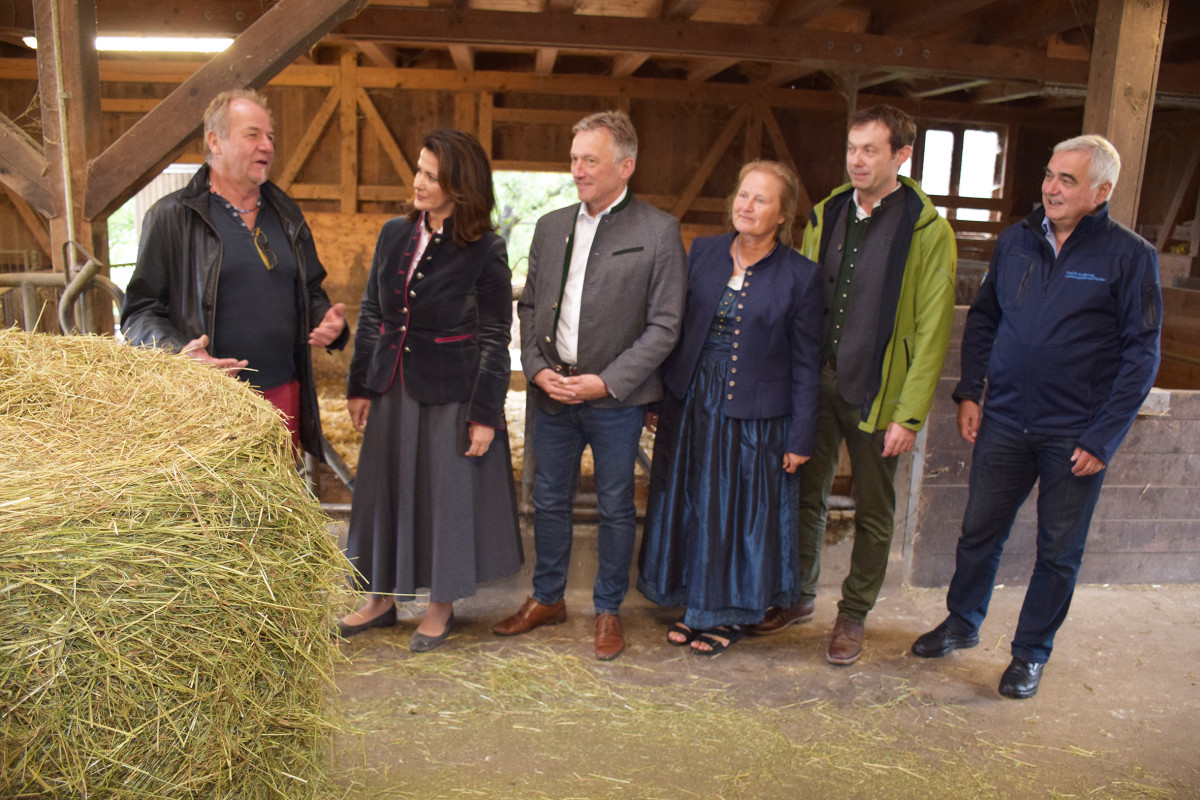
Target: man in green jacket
[{"x": 888, "y": 260}]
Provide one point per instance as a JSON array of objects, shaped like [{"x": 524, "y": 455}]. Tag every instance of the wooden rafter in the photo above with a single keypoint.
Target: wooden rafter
[
  {"x": 1185, "y": 181},
  {"x": 544, "y": 60},
  {"x": 772, "y": 43},
  {"x": 703, "y": 70},
  {"x": 309, "y": 140},
  {"x": 913, "y": 17},
  {"x": 782, "y": 153},
  {"x": 23, "y": 167},
  {"x": 35, "y": 224},
  {"x": 625, "y": 64},
  {"x": 706, "y": 166},
  {"x": 390, "y": 147},
  {"x": 463, "y": 57},
  {"x": 348, "y": 125},
  {"x": 799, "y": 12}
]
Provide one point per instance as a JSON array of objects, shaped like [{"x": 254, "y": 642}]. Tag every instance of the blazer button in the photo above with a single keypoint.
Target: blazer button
[
  {"x": 404, "y": 311},
  {"x": 734, "y": 370},
  {"x": 728, "y": 397},
  {"x": 420, "y": 275},
  {"x": 412, "y": 293},
  {"x": 737, "y": 331},
  {"x": 402, "y": 328},
  {"x": 737, "y": 319},
  {"x": 735, "y": 358},
  {"x": 731, "y": 383},
  {"x": 735, "y": 344},
  {"x": 407, "y": 350},
  {"x": 547, "y": 340},
  {"x": 554, "y": 306}
]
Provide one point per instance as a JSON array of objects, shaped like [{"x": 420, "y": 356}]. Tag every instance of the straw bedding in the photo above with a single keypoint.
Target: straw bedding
[{"x": 164, "y": 583}]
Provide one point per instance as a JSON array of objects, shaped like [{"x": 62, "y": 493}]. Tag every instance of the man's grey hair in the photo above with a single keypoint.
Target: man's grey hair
[
  {"x": 1106, "y": 161},
  {"x": 216, "y": 116},
  {"x": 619, "y": 124}
]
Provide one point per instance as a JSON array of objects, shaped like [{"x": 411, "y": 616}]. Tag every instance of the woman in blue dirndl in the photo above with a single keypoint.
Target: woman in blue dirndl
[{"x": 735, "y": 423}]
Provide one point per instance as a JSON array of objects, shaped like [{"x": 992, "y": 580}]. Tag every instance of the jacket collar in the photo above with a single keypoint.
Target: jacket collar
[
  {"x": 1090, "y": 222},
  {"x": 195, "y": 197}
]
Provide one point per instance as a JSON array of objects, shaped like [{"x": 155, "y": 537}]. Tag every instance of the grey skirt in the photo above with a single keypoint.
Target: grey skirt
[{"x": 425, "y": 516}]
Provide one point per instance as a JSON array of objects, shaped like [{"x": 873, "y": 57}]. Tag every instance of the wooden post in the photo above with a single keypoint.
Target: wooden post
[
  {"x": 1122, "y": 80},
  {"x": 348, "y": 124}
]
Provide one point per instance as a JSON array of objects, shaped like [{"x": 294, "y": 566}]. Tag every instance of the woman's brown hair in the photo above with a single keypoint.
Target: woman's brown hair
[{"x": 466, "y": 179}]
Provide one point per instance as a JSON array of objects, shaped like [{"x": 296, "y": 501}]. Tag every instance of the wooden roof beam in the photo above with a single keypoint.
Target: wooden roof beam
[
  {"x": 625, "y": 64},
  {"x": 786, "y": 73},
  {"x": 914, "y": 17},
  {"x": 23, "y": 167},
  {"x": 881, "y": 78},
  {"x": 463, "y": 57},
  {"x": 1005, "y": 92},
  {"x": 679, "y": 9},
  {"x": 378, "y": 54},
  {"x": 701, "y": 71},
  {"x": 948, "y": 88},
  {"x": 544, "y": 60},
  {"x": 287, "y": 29},
  {"x": 771, "y": 43},
  {"x": 799, "y": 12},
  {"x": 1038, "y": 19}
]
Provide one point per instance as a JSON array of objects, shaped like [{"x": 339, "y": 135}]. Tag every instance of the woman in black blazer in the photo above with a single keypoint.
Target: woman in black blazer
[
  {"x": 434, "y": 502},
  {"x": 736, "y": 421}
]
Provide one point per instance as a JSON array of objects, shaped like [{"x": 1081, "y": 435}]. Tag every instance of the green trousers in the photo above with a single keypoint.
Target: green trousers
[{"x": 874, "y": 501}]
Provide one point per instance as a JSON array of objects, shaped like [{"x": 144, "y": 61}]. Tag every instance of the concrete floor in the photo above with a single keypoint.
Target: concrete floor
[{"x": 1123, "y": 687}]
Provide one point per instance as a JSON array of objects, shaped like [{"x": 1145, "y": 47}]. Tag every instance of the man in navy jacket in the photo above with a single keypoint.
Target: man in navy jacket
[{"x": 1065, "y": 335}]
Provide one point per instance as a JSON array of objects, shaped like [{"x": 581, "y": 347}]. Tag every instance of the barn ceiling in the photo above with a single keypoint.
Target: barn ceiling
[{"x": 1027, "y": 53}]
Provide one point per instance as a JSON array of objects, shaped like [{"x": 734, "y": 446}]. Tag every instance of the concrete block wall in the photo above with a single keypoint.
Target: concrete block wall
[{"x": 1147, "y": 524}]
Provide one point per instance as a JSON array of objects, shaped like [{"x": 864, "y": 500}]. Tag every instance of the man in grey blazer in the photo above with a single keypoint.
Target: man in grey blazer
[{"x": 601, "y": 310}]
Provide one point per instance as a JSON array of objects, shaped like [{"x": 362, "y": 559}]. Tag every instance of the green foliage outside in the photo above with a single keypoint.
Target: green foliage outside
[
  {"x": 521, "y": 198},
  {"x": 122, "y": 244}
]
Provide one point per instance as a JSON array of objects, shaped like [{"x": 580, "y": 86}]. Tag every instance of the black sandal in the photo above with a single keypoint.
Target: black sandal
[
  {"x": 730, "y": 633},
  {"x": 689, "y": 634}
]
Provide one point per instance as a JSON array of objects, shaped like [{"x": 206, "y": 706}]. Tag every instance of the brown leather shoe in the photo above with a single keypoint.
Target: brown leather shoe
[
  {"x": 610, "y": 639},
  {"x": 530, "y": 615},
  {"x": 845, "y": 646},
  {"x": 776, "y": 618}
]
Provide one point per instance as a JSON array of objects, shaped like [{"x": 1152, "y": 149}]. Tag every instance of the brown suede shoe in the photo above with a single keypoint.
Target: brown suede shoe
[
  {"x": 530, "y": 615},
  {"x": 777, "y": 618},
  {"x": 845, "y": 646},
  {"x": 610, "y": 639}
]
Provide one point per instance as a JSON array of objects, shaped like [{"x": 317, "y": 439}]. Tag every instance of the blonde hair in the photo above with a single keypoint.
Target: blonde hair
[{"x": 789, "y": 195}]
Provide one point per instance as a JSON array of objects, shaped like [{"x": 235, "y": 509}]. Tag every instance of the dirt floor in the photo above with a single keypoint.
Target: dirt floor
[{"x": 536, "y": 716}]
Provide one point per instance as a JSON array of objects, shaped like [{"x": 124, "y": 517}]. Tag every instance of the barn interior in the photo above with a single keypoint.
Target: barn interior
[{"x": 710, "y": 84}]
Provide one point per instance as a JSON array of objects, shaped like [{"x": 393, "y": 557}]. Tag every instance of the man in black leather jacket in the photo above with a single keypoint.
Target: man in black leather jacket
[{"x": 228, "y": 273}]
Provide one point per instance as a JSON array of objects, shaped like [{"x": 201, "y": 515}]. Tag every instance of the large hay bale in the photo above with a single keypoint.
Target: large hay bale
[{"x": 164, "y": 582}]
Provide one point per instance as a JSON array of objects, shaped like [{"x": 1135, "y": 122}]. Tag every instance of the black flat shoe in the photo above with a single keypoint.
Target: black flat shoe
[
  {"x": 1021, "y": 679},
  {"x": 941, "y": 640},
  {"x": 420, "y": 643},
  {"x": 384, "y": 620}
]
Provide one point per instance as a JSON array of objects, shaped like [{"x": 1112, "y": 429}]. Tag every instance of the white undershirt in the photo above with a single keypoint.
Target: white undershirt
[{"x": 567, "y": 332}]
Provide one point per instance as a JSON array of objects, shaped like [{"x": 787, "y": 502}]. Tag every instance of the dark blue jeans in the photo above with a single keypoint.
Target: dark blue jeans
[
  {"x": 1005, "y": 465},
  {"x": 558, "y": 444}
]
